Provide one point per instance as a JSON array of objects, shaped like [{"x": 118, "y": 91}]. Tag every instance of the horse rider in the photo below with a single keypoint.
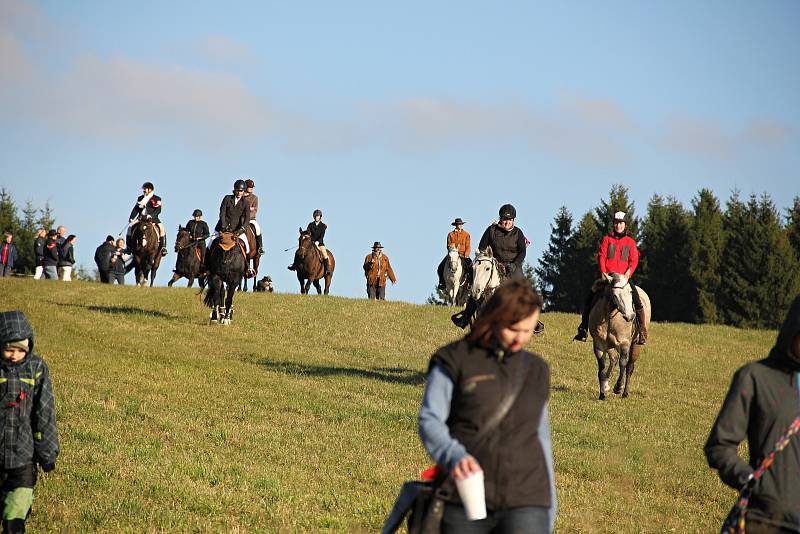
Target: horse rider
[
  {"x": 618, "y": 254},
  {"x": 460, "y": 239},
  {"x": 234, "y": 214},
  {"x": 198, "y": 230},
  {"x": 253, "y": 200},
  {"x": 317, "y": 230},
  {"x": 148, "y": 205},
  {"x": 508, "y": 248}
]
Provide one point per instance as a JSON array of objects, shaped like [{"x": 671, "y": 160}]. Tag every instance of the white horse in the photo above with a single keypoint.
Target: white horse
[
  {"x": 453, "y": 274},
  {"x": 485, "y": 276},
  {"x": 613, "y": 329}
]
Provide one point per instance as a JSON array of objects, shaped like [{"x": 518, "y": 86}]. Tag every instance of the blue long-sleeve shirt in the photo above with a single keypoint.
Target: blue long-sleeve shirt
[{"x": 446, "y": 450}]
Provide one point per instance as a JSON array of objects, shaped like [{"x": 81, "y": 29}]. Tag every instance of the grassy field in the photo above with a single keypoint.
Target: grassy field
[{"x": 301, "y": 416}]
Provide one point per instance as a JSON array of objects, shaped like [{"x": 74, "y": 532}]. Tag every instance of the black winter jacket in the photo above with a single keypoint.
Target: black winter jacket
[
  {"x": 38, "y": 249},
  {"x": 317, "y": 232},
  {"x": 198, "y": 229},
  {"x": 66, "y": 255},
  {"x": 152, "y": 208},
  {"x": 103, "y": 254},
  {"x": 50, "y": 253},
  {"x": 233, "y": 216},
  {"x": 761, "y": 404},
  {"x": 508, "y": 246},
  {"x": 28, "y": 416}
]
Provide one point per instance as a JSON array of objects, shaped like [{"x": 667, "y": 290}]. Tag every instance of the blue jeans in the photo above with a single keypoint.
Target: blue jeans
[
  {"x": 527, "y": 520},
  {"x": 50, "y": 272}
]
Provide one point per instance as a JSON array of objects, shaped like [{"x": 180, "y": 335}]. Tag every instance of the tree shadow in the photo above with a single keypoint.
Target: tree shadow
[
  {"x": 394, "y": 375},
  {"x": 121, "y": 310}
]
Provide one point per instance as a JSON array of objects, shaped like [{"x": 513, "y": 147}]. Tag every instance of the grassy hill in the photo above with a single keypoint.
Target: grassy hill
[{"x": 301, "y": 416}]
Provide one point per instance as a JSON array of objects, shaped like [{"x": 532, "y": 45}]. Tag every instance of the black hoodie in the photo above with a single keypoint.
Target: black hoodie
[{"x": 762, "y": 402}]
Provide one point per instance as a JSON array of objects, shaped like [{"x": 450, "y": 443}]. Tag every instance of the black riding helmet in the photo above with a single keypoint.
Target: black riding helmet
[
  {"x": 148, "y": 185},
  {"x": 507, "y": 211},
  {"x": 317, "y": 212},
  {"x": 238, "y": 185},
  {"x": 197, "y": 213}
]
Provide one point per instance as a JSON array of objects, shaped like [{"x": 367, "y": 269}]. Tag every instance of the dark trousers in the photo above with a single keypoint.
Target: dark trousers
[
  {"x": 16, "y": 496},
  {"x": 376, "y": 292},
  {"x": 5, "y": 270},
  {"x": 104, "y": 278},
  {"x": 529, "y": 519},
  {"x": 117, "y": 277}
]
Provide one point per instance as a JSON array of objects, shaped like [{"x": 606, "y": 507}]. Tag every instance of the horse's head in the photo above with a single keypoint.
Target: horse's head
[
  {"x": 453, "y": 259},
  {"x": 183, "y": 239},
  {"x": 621, "y": 295},
  {"x": 304, "y": 241},
  {"x": 485, "y": 275}
]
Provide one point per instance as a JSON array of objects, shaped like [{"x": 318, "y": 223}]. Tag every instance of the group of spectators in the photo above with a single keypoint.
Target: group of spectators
[
  {"x": 54, "y": 253},
  {"x": 112, "y": 261}
]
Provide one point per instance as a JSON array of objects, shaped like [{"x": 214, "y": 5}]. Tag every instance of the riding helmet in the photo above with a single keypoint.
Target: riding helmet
[
  {"x": 239, "y": 185},
  {"x": 197, "y": 213},
  {"x": 507, "y": 211},
  {"x": 148, "y": 185},
  {"x": 249, "y": 183},
  {"x": 317, "y": 212}
]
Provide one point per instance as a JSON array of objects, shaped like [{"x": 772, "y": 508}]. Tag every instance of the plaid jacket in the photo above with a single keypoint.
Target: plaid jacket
[{"x": 27, "y": 404}]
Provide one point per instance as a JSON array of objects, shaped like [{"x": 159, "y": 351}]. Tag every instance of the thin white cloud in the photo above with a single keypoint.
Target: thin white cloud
[
  {"x": 707, "y": 139},
  {"x": 220, "y": 49}
]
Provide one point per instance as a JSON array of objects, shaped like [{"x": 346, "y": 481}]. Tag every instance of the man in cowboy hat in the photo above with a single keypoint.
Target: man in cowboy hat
[
  {"x": 460, "y": 239},
  {"x": 618, "y": 254},
  {"x": 376, "y": 269}
]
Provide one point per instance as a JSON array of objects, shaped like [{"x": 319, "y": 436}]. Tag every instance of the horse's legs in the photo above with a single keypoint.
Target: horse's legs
[
  {"x": 153, "y": 275},
  {"x": 301, "y": 281},
  {"x": 629, "y": 370},
  {"x": 175, "y": 278},
  {"x": 229, "y": 303},
  {"x": 624, "y": 359},
  {"x": 191, "y": 281},
  {"x": 307, "y": 286},
  {"x": 602, "y": 376},
  {"x": 317, "y": 287},
  {"x": 327, "y": 283}
]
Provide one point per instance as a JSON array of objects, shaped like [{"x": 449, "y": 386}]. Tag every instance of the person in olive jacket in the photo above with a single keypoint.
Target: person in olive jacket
[
  {"x": 761, "y": 404},
  {"x": 28, "y": 419},
  {"x": 467, "y": 381}
]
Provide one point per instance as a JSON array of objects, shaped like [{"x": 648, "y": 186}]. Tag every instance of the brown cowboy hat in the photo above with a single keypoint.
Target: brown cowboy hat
[
  {"x": 377, "y": 244},
  {"x": 457, "y": 221}
]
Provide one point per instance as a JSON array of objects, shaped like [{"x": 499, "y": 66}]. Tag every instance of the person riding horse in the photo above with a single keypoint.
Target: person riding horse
[
  {"x": 234, "y": 215},
  {"x": 199, "y": 232},
  {"x": 148, "y": 206},
  {"x": 618, "y": 254},
  {"x": 508, "y": 248},
  {"x": 460, "y": 239},
  {"x": 317, "y": 230},
  {"x": 253, "y": 200}
]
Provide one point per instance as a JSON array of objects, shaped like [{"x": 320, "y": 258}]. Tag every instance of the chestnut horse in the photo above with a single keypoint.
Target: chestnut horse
[
  {"x": 146, "y": 252},
  {"x": 252, "y": 257},
  {"x": 308, "y": 265}
]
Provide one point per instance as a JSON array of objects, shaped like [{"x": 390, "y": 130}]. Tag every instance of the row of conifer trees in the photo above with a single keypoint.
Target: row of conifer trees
[{"x": 739, "y": 265}]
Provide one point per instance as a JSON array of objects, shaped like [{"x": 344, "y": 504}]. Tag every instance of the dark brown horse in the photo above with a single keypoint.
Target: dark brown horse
[
  {"x": 253, "y": 258},
  {"x": 146, "y": 252},
  {"x": 226, "y": 266},
  {"x": 189, "y": 263},
  {"x": 308, "y": 265}
]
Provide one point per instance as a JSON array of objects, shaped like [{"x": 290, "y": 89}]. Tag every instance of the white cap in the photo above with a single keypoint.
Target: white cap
[{"x": 619, "y": 216}]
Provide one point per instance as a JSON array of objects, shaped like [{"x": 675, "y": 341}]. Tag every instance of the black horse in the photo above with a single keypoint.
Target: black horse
[
  {"x": 189, "y": 263},
  {"x": 146, "y": 252},
  {"x": 225, "y": 271}
]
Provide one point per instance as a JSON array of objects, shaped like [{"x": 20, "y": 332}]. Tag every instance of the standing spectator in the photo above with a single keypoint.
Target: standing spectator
[
  {"x": 50, "y": 262},
  {"x": 376, "y": 269},
  {"x": 762, "y": 404},
  {"x": 38, "y": 253},
  {"x": 60, "y": 240},
  {"x": 468, "y": 383},
  {"x": 117, "y": 262},
  {"x": 8, "y": 256},
  {"x": 66, "y": 258},
  {"x": 28, "y": 425},
  {"x": 102, "y": 257}
]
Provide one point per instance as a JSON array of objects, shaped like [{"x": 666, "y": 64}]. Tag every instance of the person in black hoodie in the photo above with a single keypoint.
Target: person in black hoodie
[
  {"x": 50, "y": 261},
  {"x": 762, "y": 402},
  {"x": 38, "y": 253},
  {"x": 102, "y": 257},
  {"x": 66, "y": 259}
]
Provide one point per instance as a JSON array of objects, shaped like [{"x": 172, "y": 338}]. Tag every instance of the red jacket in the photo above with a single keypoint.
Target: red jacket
[{"x": 618, "y": 254}]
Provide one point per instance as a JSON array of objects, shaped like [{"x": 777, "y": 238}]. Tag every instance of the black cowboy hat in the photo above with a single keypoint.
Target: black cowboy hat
[
  {"x": 377, "y": 244},
  {"x": 457, "y": 221}
]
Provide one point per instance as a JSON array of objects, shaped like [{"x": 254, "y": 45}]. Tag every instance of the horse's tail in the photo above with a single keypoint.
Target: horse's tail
[{"x": 211, "y": 295}]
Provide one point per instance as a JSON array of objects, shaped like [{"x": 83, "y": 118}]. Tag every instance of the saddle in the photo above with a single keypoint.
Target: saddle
[{"x": 227, "y": 240}]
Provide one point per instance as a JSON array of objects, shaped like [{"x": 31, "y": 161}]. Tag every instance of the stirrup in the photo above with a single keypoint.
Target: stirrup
[
  {"x": 260, "y": 251},
  {"x": 164, "y": 251}
]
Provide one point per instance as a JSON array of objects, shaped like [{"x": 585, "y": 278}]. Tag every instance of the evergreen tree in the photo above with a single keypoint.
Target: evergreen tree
[
  {"x": 793, "y": 225},
  {"x": 47, "y": 219},
  {"x": 9, "y": 221},
  {"x": 25, "y": 237},
  {"x": 581, "y": 266},
  {"x": 617, "y": 201},
  {"x": 663, "y": 267},
  {"x": 706, "y": 243},
  {"x": 760, "y": 272},
  {"x": 437, "y": 298},
  {"x": 530, "y": 275},
  {"x": 553, "y": 267}
]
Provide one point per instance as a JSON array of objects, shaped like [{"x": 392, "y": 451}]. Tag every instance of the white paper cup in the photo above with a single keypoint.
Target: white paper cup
[{"x": 472, "y": 496}]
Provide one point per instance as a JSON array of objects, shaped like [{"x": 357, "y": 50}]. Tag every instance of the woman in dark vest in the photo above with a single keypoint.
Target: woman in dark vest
[{"x": 467, "y": 380}]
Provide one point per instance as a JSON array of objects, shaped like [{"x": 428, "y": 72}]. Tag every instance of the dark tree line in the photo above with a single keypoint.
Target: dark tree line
[
  {"x": 738, "y": 266},
  {"x": 23, "y": 228}
]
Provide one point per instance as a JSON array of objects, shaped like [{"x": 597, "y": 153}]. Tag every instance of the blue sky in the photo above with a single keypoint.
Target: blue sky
[{"x": 392, "y": 119}]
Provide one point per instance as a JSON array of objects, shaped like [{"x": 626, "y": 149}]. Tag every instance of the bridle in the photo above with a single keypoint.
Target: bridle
[{"x": 486, "y": 291}]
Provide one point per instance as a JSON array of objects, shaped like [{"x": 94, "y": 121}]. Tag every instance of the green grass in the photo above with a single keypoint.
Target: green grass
[{"x": 301, "y": 416}]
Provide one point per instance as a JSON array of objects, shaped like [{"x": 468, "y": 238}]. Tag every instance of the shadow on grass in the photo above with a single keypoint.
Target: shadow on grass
[
  {"x": 121, "y": 310},
  {"x": 394, "y": 375}
]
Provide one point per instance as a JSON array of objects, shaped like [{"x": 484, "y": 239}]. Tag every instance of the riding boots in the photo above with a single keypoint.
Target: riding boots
[
  {"x": 326, "y": 269},
  {"x": 463, "y": 318},
  {"x": 162, "y": 242},
  {"x": 642, "y": 326},
  {"x": 259, "y": 245}
]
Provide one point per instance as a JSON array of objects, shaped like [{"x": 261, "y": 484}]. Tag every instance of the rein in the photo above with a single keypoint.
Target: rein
[{"x": 486, "y": 291}]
